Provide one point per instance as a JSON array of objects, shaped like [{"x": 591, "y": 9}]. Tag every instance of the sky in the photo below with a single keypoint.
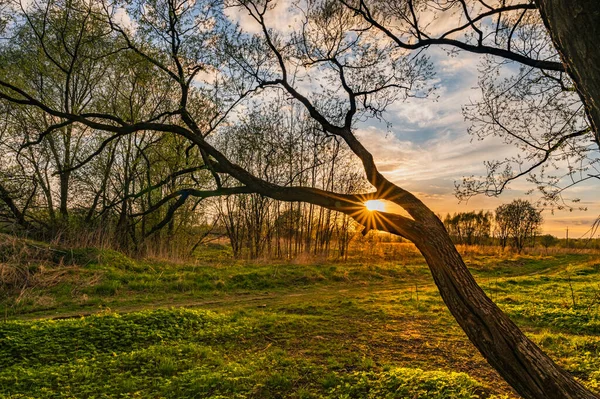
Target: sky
[{"x": 428, "y": 149}]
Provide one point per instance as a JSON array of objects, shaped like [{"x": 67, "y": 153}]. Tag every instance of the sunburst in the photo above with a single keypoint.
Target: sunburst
[{"x": 375, "y": 205}]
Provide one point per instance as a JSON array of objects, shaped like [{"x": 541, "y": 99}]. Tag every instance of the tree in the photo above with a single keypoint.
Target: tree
[
  {"x": 566, "y": 127},
  {"x": 573, "y": 27},
  {"x": 469, "y": 227},
  {"x": 548, "y": 240},
  {"x": 502, "y": 227},
  {"x": 518, "y": 221},
  {"x": 287, "y": 148},
  {"x": 186, "y": 42},
  {"x": 546, "y": 109},
  {"x": 68, "y": 181}
]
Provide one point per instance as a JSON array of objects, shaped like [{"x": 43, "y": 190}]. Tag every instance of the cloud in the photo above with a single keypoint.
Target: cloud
[
  {"x": 283, "y": 12},
  {"x": 428, "y": 149},
  {"x": 444, "y": 157},
  {"x": 429, "y": 169},
  {"x": 121, "y": 17}
]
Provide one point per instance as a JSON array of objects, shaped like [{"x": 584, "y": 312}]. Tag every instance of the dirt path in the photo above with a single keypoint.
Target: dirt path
[{"x": 229, "y": 301}]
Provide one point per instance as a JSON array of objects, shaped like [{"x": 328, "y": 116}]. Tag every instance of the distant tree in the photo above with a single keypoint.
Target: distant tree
[
  {"x": 502, "y": 225},
  {"x": 517, "y": 222},
  {"x": 470, "y": 228},
  {"x": 548, "y": 240}
]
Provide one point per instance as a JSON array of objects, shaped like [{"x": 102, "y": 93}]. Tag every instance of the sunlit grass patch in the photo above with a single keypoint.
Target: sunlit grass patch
[{"x": 405, "y": 383}]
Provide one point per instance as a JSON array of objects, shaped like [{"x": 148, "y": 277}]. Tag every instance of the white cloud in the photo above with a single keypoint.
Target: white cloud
[
  {"x": 283, "y": 17},
  {"x": 122, "y": 18},
  {"x": 446, "y": 156},
  {"x": 428, "y": 149}
]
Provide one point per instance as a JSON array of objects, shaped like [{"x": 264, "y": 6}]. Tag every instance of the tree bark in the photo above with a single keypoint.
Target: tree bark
[
  {"x": 64, "y": 195},
  {"x": 574, "y": 26},
  {"x": 506, "y": 348},
  {"x": 18, "y": 215},
  {"x": 517, "y": 359}
]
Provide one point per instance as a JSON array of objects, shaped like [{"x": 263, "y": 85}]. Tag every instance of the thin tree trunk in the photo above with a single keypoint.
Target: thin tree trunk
[
  {"x": 18, "y": 215},
  {"x": 64, "y": 195}
]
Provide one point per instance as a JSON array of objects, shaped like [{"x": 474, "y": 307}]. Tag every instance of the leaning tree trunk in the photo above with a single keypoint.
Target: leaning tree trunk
[
  {"x": 574, "y": 26},
  {"x": 506, "y": 348},
  {"x": 518, "y": 360}
]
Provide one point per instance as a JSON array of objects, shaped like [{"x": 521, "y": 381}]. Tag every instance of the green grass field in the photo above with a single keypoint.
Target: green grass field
[{"x": 93, "y": 324}]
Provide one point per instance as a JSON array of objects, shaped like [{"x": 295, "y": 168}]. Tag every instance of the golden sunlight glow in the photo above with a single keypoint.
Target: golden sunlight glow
[{"x": 375, "y": 205}]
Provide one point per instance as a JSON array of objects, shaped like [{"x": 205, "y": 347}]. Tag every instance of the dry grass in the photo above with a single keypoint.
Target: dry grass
[
  {"x": 399, "y": 251},
  {"x": 27, "y": 266},
  {"x": 18, "y": 250},
  {"x": 20, "y": 260},
  {"x": 100, "y": 238}
]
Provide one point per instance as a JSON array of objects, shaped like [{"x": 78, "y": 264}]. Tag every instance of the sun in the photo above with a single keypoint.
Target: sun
[{"x": 375, "y": 205}]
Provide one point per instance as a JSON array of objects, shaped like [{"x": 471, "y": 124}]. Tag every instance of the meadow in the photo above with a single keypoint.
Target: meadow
[{"x": 96, "y": 324}]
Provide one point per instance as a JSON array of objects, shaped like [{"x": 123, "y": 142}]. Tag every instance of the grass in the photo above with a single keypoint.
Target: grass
[
  {"x": 192, "y": 353},
  {"x": 227, "y": 329},
  {"x": 85, "y": 280}
]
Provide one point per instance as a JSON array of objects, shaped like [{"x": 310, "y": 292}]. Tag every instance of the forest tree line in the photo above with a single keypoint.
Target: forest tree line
[{"x": 140, "y": 193}]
